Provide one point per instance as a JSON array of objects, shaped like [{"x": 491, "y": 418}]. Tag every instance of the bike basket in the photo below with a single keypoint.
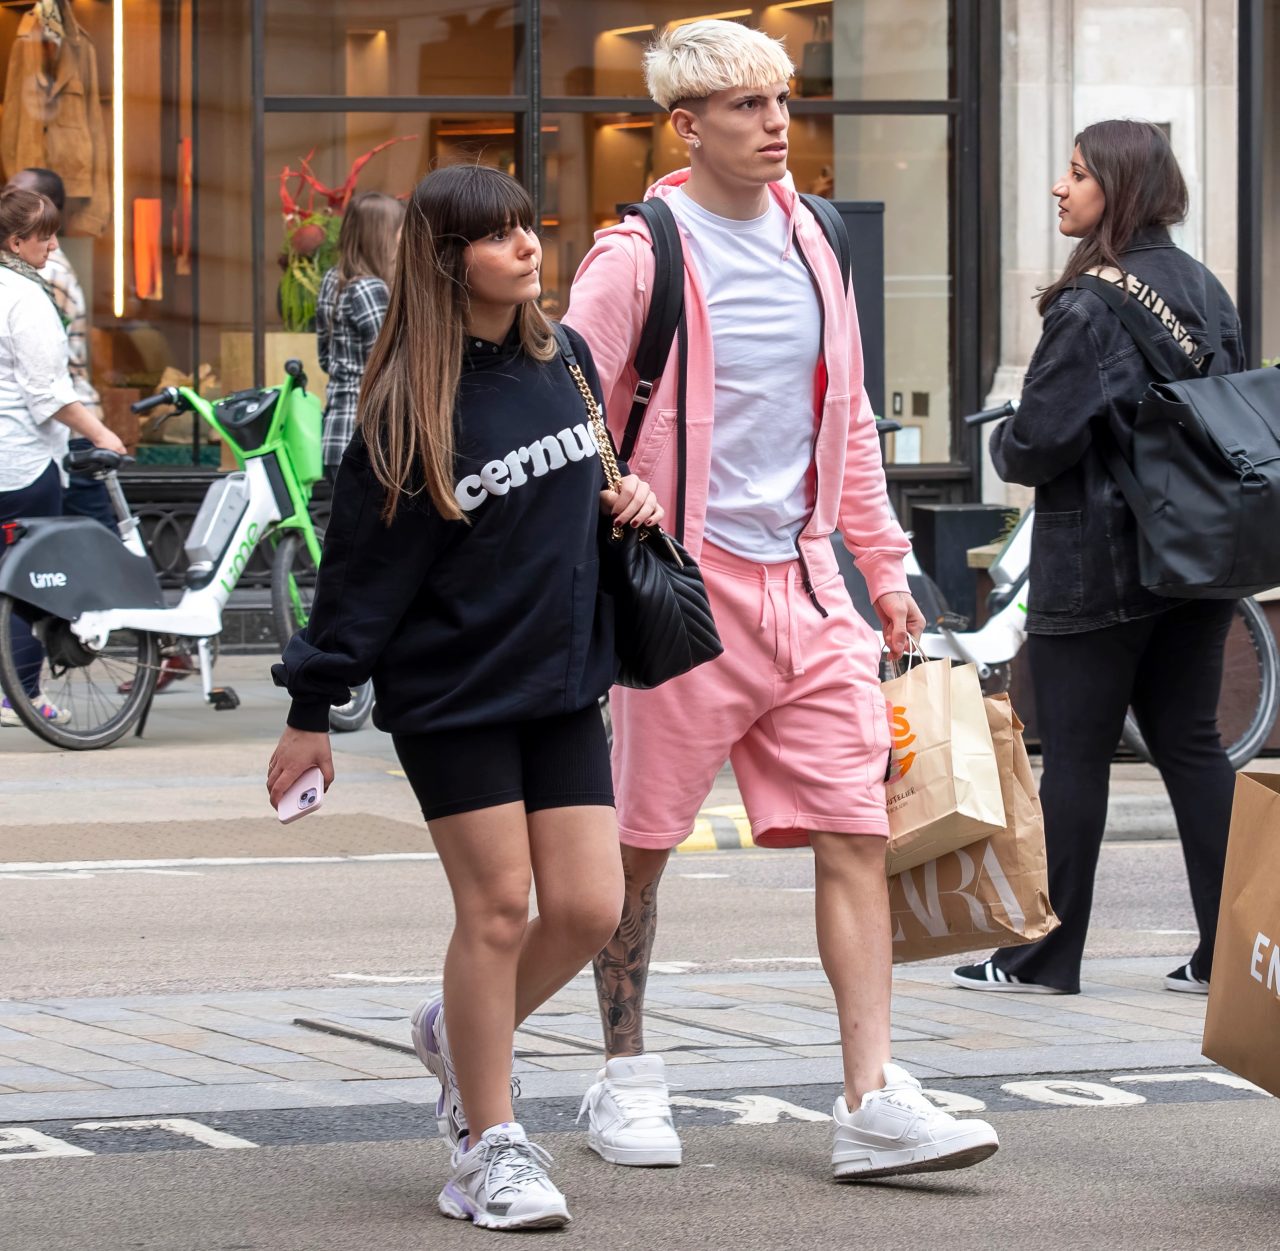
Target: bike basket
[
  {"x": 303, "y": 423},
  {"x": 246, "y": 416}
]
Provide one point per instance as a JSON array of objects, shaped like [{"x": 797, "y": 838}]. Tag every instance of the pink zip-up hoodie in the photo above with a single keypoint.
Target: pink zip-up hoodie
[{"x": 608, "y": 303}]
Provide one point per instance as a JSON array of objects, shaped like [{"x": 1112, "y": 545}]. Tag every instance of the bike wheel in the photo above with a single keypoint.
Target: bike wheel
[
  {"x": 355, "y": 712},
  {"x": 293, "y": 587},
  {"x": 1250, "y": 689},
  {"x": 103, "y": 692}
]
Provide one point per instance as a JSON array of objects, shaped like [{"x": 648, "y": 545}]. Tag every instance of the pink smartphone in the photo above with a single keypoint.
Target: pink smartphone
[{"x": 305, "y": 795}]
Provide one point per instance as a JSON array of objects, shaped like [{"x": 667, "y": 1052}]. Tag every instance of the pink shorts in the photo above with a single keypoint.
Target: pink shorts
[{"x": 794, "y": 704}]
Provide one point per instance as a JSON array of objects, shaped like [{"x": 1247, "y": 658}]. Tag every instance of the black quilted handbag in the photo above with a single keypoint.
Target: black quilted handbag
[{"x": 663, "y": 625}]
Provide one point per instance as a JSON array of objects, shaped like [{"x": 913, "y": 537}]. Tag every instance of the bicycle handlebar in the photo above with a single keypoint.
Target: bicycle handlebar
[
  {"x": 991, "y": 414},
  {"x": 168, "y": 396}
]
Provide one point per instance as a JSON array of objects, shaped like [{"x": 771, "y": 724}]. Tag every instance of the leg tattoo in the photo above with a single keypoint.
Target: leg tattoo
[{"x": 622, "y": 969}]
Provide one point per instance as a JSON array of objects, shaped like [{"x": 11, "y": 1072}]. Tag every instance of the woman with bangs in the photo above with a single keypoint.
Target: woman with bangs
[
  {"x": 460, "y": 573},
  {"x": 38, "y": 400}
]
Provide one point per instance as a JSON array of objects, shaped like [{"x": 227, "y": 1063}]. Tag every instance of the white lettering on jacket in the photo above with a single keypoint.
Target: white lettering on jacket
[{"x": 553, "y": 451}]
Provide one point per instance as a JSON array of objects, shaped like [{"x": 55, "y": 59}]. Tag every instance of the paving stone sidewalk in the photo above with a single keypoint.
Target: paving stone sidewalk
[{"x": 174, "y": 1054}]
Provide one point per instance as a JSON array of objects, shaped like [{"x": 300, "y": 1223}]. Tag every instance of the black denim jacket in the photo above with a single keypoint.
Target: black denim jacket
[{"x": 1086, "y": 369}]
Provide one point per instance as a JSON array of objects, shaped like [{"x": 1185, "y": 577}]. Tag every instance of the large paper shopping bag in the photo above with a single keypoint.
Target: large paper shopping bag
[
  {"x": 943, "y": 790},
  {"x": 1242, "y": 1024},
  {"x": 992, "y": 893}
]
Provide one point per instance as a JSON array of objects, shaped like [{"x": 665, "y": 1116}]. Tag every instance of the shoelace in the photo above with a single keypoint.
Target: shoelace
[
  {"x": 637, "y": 1098},
  {"x": 910, "y": 1097},
  {"x": 508, "y": 1162}
]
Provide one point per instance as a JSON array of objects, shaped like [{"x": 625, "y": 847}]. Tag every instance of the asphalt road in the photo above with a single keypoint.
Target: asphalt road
[
  {"x": 1173, "y": 1176},
  {"x": 105, "y": 932}
]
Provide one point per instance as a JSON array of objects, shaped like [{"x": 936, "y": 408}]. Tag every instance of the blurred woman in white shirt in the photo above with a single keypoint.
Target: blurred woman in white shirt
[{"x": 37, "y": 396}]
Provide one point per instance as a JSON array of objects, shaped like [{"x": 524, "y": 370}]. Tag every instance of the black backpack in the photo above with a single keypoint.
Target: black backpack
[
  {"x": 665, "y": 321},
  {"x": 1204, "y": 482}
]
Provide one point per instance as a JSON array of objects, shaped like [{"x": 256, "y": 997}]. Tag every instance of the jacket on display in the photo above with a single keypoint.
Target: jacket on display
[{"x": 53, "y": 118}]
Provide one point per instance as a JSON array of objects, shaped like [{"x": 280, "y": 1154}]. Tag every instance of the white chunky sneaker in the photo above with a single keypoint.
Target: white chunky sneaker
[
  {"x": 897, "y": 1130},
  {"x": 426, "y": 1028},
  {"x": 629, "y": 1114},
  {"x": 502, "y": 1183}
]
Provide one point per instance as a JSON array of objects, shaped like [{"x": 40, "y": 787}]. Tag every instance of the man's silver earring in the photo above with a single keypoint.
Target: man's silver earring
[{"x": 697, "y": 143}]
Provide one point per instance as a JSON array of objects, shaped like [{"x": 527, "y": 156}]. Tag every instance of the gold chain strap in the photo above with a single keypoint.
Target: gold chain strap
[{"x": 604, "y": 443}]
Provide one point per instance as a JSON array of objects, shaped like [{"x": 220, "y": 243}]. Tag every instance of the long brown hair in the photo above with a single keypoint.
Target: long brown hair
[
  {"x": 410, "y": 389},
  {"x": 367, "y": 240},
  {"x": 26, "y": 213},
  {"x": 1142, "y": 187}
]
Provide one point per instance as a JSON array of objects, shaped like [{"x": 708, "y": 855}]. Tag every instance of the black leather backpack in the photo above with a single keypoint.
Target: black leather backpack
[{"x": 1204, "y": 479}]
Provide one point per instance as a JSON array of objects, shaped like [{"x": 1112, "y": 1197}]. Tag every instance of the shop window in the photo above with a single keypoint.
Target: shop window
[
  {"x": 843, "y": 49},
  {"x": 146, "y": 147},
  {"x": 393, "y": 47},
  {"x": 326, "y": 147}
]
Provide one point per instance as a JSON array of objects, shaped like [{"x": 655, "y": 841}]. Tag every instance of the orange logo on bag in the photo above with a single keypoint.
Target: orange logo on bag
[{"x": 902, "y": 760}]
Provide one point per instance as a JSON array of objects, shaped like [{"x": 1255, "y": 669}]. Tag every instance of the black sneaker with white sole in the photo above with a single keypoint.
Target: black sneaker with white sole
[
  {"x": 986, "y": 976},
  {"x": 1184, "y": 980}
]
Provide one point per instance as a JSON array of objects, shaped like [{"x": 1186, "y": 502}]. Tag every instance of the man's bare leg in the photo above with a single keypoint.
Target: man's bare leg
[
  {"x": 622, "y": 967},
  {"x": 628, "y": 1110},
  {"x": 856, "y": 946}
]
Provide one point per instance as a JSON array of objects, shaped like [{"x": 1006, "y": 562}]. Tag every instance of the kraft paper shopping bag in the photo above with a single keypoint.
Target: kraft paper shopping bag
[
  {"x": 992, "y": 893},
  {"x": 1242, "y": 1023},
  {"x": 943, "y": 790}
]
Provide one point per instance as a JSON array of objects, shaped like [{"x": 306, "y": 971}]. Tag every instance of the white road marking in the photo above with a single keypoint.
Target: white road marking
[
  {"x": 752, "y": 1109},
  {"x": 1217, "y": 1079},
  {"x": 80, "y": 875},
  {"x": 949, "y": 1101},
  {"x": 778, "y": 960},
  {"x": 207, "y": 862},
  {"x": 42, "y": 1147},
  {"x": 382, "y": 978},
  {"x": 178, "y": 1125},
  {"x": 1070, "y": 1094},
  {"x": 671, "y": 966}
]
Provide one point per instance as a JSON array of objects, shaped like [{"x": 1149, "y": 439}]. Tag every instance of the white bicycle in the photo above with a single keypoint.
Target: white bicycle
[{"x": 1250, "y": 688}]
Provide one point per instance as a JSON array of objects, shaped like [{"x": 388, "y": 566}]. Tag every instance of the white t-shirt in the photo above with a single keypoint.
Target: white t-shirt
[
  {"x": 766, "y": 327},
  {"x": 35, "y": 382}
]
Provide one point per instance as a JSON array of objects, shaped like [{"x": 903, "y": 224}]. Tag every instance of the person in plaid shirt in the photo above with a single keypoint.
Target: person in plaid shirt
[
  {"x": 349, "y": 311},
  {"x": 81, "y": 496}
]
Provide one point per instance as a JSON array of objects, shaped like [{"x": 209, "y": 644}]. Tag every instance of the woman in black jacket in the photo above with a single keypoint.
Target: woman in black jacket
[
  {"x": 1099, "y": 641},
  {"x": 460, "y": 573}
]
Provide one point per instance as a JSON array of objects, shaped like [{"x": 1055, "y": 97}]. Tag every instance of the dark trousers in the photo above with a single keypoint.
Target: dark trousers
[
  {"x": 85, "y": 496},
  {"x": 1169, "y": 668},
  {"x": 43, "y": 498}
]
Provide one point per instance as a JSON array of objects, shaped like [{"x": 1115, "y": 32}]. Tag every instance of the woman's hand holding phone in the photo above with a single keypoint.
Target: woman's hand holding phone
[{"x": 296, "y": 752}]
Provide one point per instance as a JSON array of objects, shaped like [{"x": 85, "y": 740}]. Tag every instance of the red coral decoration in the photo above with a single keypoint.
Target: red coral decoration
[{"x": 335, "y": 199}]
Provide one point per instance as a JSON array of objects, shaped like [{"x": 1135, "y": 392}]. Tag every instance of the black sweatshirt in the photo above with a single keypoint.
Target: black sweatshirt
[{"x": 468, "y": 624}]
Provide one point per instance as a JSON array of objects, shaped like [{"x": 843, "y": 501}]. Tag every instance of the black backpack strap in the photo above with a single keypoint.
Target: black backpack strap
[
  {"x": 834, "y": 228},
  {"x": 564, "y": 343},
  {"x": 666, "y": 310},
  {"x": 1147, "y": 329}
]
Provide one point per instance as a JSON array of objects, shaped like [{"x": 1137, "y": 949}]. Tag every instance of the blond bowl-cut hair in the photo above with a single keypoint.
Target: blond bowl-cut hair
[{"x": 693, "y": 61}]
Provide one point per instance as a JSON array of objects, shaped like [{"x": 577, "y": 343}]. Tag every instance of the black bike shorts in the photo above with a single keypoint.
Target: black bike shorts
[{"x": 550, "y": 762}]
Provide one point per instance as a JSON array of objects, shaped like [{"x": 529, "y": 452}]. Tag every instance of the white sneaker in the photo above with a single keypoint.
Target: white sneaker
[
  {"x": 629, "y": 1114},
  {"x": 897, "y": 1130},
  {"x": 502, "y": 1183},
  {"x": 426, "y": 1028}
]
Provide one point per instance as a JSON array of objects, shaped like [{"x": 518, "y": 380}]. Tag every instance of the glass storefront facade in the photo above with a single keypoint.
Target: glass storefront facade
[{"x": 200, "y": 108}]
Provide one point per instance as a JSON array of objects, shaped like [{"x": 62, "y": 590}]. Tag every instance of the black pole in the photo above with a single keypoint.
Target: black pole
[
  {"x": 1249, "y": 187},
  {"x": 257, "y": 39}
]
